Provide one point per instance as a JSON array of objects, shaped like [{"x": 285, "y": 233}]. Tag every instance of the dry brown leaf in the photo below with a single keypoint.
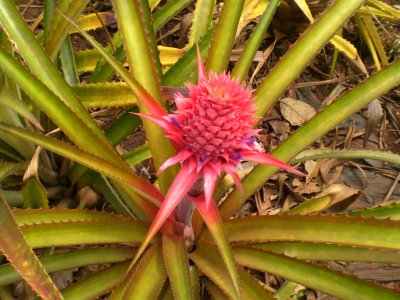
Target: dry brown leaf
[
  {"x": 339, "y": 192},
  {"x": 296, "y": 182},
  {"x": 335, "y": 174},
  {"x": 282, "y": 129},
  {"x": 310, "y": 167},
  {"x": 263, "y": 199},
  {"x": 326, "y": 169},
  {"x": 335, "y": 93},
  {"x": 296, "y": 112},
  {"x": 305, "y": 188},
  {"x": 375, "y": 114}
]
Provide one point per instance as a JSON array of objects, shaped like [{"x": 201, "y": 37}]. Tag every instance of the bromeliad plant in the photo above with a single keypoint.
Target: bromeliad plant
[{"x": 209, "y": 134}]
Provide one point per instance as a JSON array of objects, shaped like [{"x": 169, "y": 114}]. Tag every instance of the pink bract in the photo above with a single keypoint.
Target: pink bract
[{"x": 211, "y": 130}]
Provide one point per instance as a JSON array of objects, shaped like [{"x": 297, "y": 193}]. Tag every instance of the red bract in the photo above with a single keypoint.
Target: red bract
[{"x": 212, "y": 132}]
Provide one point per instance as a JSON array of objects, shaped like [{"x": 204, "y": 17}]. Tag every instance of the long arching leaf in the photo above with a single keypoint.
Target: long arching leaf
[
  {"x": 356, "y": 231},
  {"x": 84, "y": 233},
  {"x": 168, "y": 11},
  {"x": 97, "y": 284},
  {"x": 245, "y": 60},
  {"x": 59, "y": 27},
  {"x": 321, "y": 123},
  {"x": 177, "y": 265},
  {"x": 224, "y": 36},
  {"x": 69, "y": 260},
  {"x": 103, "y": 71},
  {"x": 209, "y": 262},
  {"x": 186, "y": 67},
  {"x": 319, "y": 278},
  {"x": 302, "y": 52},
  {"x": 387, "y": 211},
  {"x": 142, "y": 64},
  {"x": 54, "y": 215},
  {"x": 43, "y": 68},
  {"x": 139, "y": 184},
  {"x": 73, "y": 125},
  {"x": 347, "y": 154},
  {"x": 149, "y": 276},
  {"x": 315, "y": 251},
  {"x": 18, "y": 252},
  {"x": 14, "y": 147}
]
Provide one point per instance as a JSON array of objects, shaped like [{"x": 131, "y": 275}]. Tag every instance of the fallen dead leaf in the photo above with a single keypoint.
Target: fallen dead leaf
[
  {"x": 310, "y": 167},
  {"x": 327, "y": 169},
  {"x": 263, "y": 199},
  {"x": 296, "y": 112},
  {"x": 306, "y": 188},
  {"x": 339, "y": 192},
  {"x": 341, "y": 196},
  {"x": 282, "y": 129},
  {"x": 335, "y": 174}
]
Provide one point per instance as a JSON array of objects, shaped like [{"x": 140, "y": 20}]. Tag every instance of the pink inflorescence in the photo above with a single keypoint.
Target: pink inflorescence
[
  {"x": 212, "y": 133},
  {"x": 212, "y": 130},
  {"x": 215, "y": 120}
]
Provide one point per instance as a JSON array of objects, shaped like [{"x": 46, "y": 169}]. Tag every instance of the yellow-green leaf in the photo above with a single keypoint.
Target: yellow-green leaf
[
  {"x": 302, "y": 4},
  {"x": 344, "y": 46}
]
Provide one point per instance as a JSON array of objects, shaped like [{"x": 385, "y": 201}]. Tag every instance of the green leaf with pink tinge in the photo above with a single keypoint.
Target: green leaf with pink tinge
[
  {"x": 97, "y": 284},
  {"x": 71, "y": 259},
  {"x": 149, "y": 276},
  {"x": 209, "y": 262},
  {"x": 139, "y": 184},
  {"x": 18, "y": 252},
  {"x": 182, "y": 184}
]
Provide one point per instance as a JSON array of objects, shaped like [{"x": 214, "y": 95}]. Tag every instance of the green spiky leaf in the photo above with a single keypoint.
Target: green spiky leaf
[
  {"x": 149, "y": 275},
  {"x": 141, "y": 186},
  {"x": 202, "y": 20},
  {"x": 177, "y": 265},
  {"x": 69, "y": 260},
  {"x": 322, "y": 279},
  {"x": 388, "y": 211},
  {"x": 18, "y": 252},
  {"x": 321, "y": 123},
  {"x": 84, "y": 233},
  {"x": 97, "y": 284},
  {"x": 326, "y": 229},
  {"x": 208, "y": 261},
  {"x": 224, "y": 36},
  {"x": 59, "y": 27},
  {"x": 315, "y": 251},
  {"x": 34, "y": 193}
]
